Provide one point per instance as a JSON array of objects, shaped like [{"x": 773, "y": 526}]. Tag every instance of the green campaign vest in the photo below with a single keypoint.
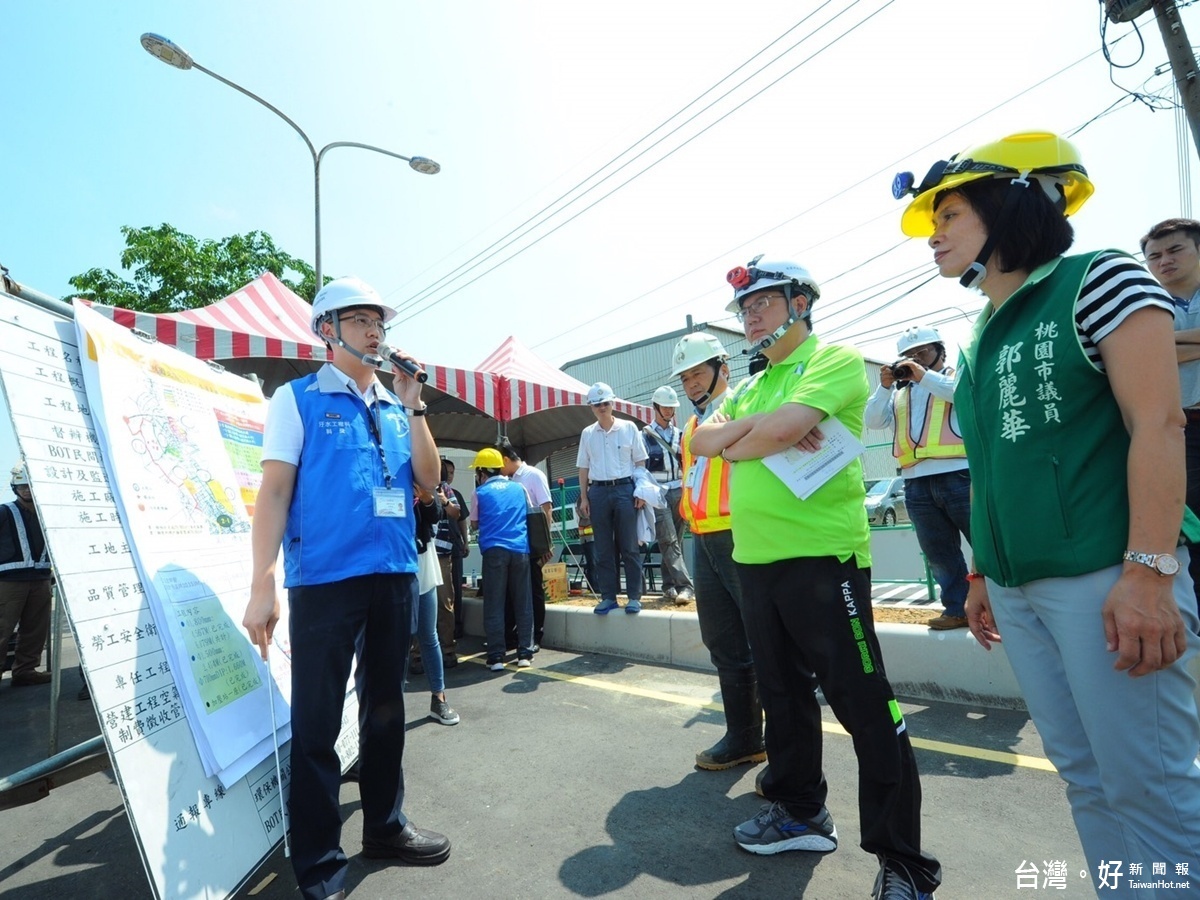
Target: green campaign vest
[{"x": 1045, "y": 437}]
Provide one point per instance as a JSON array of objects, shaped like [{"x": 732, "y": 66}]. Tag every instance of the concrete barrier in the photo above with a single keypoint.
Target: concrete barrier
[{"x": 932, "y": 665}]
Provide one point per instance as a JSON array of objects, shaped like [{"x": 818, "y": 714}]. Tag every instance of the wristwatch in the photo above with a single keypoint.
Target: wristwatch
[{"x": 1162, "y": 563}]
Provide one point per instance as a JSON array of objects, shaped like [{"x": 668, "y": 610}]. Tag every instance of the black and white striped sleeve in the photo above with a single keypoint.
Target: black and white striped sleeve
[{"x": 1115, "y": 287}]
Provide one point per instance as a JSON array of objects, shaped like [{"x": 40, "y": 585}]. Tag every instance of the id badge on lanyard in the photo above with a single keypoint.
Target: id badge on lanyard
[{"x": 390, "y": 504}]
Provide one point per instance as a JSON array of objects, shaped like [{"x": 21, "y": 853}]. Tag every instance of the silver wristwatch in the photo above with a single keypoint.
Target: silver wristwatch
[{"x": 1162, "y": 563}]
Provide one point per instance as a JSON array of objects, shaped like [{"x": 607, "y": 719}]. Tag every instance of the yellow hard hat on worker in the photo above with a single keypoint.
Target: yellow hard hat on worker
[
  {"x": 1051, "y": 160},
  {"x": 488, "y": 458}
]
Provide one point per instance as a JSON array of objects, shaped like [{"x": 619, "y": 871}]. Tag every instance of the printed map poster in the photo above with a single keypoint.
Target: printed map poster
[
  {"x": 183, "y": 447},
  {"x": 196, "y": 836}
]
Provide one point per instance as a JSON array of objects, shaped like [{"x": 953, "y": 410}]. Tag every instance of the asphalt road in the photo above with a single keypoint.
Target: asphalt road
[{"x": 574, "y": 779}]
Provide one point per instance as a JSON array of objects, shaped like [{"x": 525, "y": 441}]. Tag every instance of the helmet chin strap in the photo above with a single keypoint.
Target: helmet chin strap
[
  {"x": 779, "y": 332},
  {"x": 702, "y": 401},
  {"x": 367, "y": 359},
  {"x": 976, "y": 272}
]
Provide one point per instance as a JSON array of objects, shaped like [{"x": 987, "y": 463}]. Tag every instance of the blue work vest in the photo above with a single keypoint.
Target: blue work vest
[{"x": 332, "y": 531}]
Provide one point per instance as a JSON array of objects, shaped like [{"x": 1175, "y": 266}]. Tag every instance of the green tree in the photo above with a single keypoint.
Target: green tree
[{"x": 173, "y": 271}]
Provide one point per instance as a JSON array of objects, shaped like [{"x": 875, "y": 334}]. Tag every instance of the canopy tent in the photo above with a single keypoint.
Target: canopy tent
[
  {"x": 543, "y": 409},
  {"x": 263, "y": 330}
]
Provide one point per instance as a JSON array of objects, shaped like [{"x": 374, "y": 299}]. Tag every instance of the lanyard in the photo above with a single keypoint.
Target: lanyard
[{"x": 376, "y": 435}]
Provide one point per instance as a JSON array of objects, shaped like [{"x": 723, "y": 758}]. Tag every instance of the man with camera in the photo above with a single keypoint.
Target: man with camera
[{"x": 929, "y": 447}]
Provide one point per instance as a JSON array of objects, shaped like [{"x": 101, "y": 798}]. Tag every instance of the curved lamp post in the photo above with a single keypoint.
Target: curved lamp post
[{"x": 174, "y": 55}]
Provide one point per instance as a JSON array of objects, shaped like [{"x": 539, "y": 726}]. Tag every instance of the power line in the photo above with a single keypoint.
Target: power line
[
  {"x": 847, "y": 189},
  {"x": 652, "y": 165},
  {"x": 451, "y": 276}
]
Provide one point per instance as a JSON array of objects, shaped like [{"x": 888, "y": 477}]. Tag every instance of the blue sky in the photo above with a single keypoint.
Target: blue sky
[{"x": 519, "y": 102}]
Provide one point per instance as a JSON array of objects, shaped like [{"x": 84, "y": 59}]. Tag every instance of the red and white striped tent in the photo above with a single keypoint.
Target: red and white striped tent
[
  {"x": 542, "y": 408},
  {"x": 263, "y": 329}
]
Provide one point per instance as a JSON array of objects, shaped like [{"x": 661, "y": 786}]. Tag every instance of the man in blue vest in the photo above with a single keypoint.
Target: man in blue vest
[
  {"x": 24, "y": 582},
  {"x": 929, "y": 447},
  {"x": 340, "y": 456}
]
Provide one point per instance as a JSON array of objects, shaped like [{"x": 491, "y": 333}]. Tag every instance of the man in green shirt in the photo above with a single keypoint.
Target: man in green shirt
[{"x": 806, "y": 586}]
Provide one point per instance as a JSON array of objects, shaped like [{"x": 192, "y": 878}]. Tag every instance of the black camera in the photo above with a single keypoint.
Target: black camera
[{"x": 901, "y": 371}]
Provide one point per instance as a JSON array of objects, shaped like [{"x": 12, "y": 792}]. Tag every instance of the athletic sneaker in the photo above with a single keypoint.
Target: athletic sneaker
[
  {"x": 775, "y": 830},
  {"x": 496, "y": 665},
  {"x": 604, "y": 607},
  {"x": 895, "y": 883},
  {"x": 524, "y": 663},
  {"x": 440, "y": 711}
]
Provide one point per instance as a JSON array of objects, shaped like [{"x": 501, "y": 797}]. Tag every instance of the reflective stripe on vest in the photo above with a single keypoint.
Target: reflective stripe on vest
[
  {"x": 939, "y": 437},
  {"x": 705, "y": 501},
  {"x": 26, "y": 560}
]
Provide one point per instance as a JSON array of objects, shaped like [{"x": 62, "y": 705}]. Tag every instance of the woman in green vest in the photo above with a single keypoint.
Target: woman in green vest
[{"x": 1069, "y": 405}]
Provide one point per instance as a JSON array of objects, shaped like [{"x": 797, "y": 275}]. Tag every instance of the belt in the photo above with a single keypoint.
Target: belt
[
  {"x": 1192, "y": 414},
  {"x": 610, "y": 482}
]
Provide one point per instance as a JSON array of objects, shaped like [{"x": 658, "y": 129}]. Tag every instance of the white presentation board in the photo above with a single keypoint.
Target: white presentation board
[{"x": 196, "y": 837}]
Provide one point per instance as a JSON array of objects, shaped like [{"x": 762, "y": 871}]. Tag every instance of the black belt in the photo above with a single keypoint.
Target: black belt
[{"x": 602, "y": 483}]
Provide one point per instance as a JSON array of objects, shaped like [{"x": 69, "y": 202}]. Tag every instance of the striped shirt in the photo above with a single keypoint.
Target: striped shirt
[{"x": 1115, "y": 287}]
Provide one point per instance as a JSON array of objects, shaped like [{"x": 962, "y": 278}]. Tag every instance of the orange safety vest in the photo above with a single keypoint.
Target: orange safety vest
[
  {"x": 705, "y": 501},
  {"x": 939, "y": 437}
]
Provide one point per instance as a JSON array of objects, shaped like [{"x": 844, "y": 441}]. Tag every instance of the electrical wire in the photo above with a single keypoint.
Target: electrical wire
[
  {"x": 670, "y": 153},
  {"x": 451, "y": 276}
]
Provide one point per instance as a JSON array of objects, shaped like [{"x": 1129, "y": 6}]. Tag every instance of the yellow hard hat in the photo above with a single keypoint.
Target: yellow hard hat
[
  {"x": 1053, "y": 161},
  {"x": 488, "y": 458}
]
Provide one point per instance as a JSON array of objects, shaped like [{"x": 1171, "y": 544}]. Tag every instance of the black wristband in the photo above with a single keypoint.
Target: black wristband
[{"x": 417, "y": 412}]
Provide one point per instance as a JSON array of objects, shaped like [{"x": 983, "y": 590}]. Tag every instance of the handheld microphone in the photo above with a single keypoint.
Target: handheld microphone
[{"x": 389, "y": 353}]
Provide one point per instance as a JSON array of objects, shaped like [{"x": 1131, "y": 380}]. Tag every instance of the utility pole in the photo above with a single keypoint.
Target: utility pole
[
  {"x": 1183, "y": 62},
  {"x": 1179, "y": 50}
]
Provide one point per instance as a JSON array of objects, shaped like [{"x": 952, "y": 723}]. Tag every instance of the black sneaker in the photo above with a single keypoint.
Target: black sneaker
[
  {"x": 895, "y": 883},
  {"x": 440, "y": 711}
]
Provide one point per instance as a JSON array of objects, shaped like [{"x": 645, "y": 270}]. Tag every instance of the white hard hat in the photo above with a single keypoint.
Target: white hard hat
[
  {"x": 761, "y": 275},
  {"x": 344, "y": 293},
  {"x": 916, "y": 336},
  {"x": 694, "y": 349},
  {"x": 19, "y": 475},
  {"x": 600, "y": 393},
  {"x": 665, "y": 396}
]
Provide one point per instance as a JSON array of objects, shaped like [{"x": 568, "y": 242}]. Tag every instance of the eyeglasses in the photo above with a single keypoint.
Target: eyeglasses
[
  {"x": 366, "y": 323},
  {"x": 755, "y": 307}
]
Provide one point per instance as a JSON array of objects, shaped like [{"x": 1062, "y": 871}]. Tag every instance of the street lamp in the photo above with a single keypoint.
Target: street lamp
[{"x": 174, "y": 55}]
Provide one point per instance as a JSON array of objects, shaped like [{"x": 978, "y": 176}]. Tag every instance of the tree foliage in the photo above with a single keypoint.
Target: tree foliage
[{"x": 173, "y": 271}]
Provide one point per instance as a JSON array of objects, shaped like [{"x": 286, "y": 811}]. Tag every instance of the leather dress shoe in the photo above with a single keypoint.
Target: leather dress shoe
[
  {"x": 412, "y": 845},
  {"x": 28, "y": 679}
]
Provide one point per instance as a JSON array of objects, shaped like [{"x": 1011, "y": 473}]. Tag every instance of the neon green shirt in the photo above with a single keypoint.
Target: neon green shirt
[{"x": 770, "y": 523}]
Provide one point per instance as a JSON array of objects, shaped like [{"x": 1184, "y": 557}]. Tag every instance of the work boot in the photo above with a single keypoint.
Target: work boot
[{"x": 743, "y": 740}]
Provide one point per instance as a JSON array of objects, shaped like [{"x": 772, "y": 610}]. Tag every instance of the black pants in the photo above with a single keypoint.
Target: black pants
[
  {"x": 1191, "y": 434},
  {"x": 537, "y": 592},
  {"x": 378, "y": 614},
  {"x": 814, "y": 615}
]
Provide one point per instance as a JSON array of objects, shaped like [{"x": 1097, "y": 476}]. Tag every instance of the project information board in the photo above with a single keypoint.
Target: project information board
[{"x": 198, "y": 836}]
